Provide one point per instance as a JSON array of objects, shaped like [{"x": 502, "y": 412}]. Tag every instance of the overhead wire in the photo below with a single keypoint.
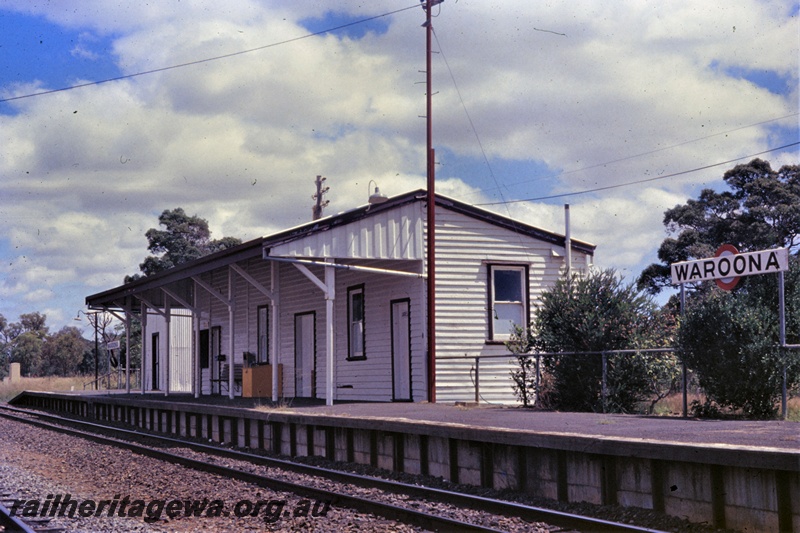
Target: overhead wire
[
  {"x": 469, "y": 118},
  {"x": 205, "y": 60},
  {"x": 466, "y": 111},
  {"x": 637, "y": 182},
  {"x": 526, "y": 249},
  {"x": 499, "y": 188},
  {"x": 649, "y": 152}
]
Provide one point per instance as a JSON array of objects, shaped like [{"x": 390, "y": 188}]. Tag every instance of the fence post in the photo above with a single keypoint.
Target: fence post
[
  {"x": 784, "y": 403},
  {"x": 538, "y": 378},
  {"x": 685, "y": 380},
  {"x": 604, "y": 392},
  {"x": 477, "y": 378}
]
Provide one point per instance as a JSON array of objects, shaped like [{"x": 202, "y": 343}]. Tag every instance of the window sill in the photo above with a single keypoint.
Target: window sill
[
  {"x": 362, "y": 358},
  {"x": 496, "y": 342}
]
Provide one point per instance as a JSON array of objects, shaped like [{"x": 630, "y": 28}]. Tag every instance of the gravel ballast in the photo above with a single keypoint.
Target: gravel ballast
[{"x": 39, "y": 463}]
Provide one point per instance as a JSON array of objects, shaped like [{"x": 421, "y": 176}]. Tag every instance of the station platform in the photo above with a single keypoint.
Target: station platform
[
  {"x": 730, "y": 473},
  {"x": 766, "y": 434}
]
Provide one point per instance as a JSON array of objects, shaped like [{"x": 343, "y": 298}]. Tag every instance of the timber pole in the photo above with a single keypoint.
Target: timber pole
[{"x": 431, "y": 213}]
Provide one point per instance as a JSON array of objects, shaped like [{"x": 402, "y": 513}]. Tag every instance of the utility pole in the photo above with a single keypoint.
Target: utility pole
[
  {"x": 316, "y": 211},
  {"x": 431, "y": 212}
]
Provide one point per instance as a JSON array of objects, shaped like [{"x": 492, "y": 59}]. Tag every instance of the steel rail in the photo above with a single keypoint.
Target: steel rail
[
  {"x": 479, "y": 503},
  {"x": 11, "y": 524},
  {"x": 363, "y": 505}
]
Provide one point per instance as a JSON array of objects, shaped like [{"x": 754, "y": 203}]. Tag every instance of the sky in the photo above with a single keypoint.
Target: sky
[{"x": 535, "y": 104}]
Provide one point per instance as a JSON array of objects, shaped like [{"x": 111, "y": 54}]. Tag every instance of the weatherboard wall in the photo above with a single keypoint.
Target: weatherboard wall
[
  {"x": 465, "y": 247},
  {"x": 393, "y": 240},
  {"x": 395, "y": 233},
  {"x": 180, "y": 345},
  {"x": 215, "y": 313},
  {"x": 364, "y": 379},
  {"x": 371, "y": 378}
]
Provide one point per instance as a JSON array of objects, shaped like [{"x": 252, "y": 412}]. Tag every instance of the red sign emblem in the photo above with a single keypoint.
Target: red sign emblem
[{"x": 731, "y": 282}]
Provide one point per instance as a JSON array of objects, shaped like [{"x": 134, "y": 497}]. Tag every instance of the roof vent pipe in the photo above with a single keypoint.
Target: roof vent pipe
[{"x": 567, "y": 242}]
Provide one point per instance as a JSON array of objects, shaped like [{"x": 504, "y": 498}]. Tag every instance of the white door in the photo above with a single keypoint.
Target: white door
[
  {"x": 304, "y": 360},
  {"x": 401, "y": 351}
]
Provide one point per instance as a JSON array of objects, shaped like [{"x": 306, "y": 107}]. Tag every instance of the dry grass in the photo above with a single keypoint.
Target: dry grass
[
  {"x": 8, "y": 390},
  {"x": 282, "y": 405},
  {"x": 672, "y": 405},
  {"x": 793, "y": 408}
]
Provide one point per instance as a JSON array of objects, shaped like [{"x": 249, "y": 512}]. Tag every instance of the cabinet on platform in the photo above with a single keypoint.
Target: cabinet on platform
[{"x": 257, "y": 381}]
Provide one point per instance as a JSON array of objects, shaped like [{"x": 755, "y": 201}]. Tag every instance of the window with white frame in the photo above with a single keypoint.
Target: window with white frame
[
  {"x": 356, "y": 333},
  {"x": 263, "y": 334},
  {"x": 508, "y": 300}
]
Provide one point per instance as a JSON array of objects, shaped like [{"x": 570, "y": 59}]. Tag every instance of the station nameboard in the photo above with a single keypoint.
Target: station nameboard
[{"x": 727, "y": 266}]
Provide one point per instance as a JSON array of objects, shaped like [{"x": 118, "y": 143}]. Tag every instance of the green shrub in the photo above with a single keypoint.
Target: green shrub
[
  {"x": 595, "y": 313},
  {"x": 730, "y": 342}
]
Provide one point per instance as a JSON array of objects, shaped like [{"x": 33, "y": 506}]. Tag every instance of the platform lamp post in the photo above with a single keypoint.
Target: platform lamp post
[{"x": 92, "y": 316}]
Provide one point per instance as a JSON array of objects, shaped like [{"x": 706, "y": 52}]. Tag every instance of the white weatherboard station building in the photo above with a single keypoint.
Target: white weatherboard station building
[{"x": 338, "y": 306}]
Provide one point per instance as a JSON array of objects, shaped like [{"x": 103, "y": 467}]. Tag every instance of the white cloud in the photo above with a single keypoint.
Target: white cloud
[
  {"x": 38, "y": 296},
  {"x": 238, "y": 141},
  {"x": 83, "y": 48}
]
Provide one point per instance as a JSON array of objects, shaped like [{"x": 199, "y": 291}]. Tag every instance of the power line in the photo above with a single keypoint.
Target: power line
[
  {"x": 466, "y": 112},
  {"x": 474, "y": 131},
  {"x": 649, "y": 152},
  {"x": 206, "y": 60},
  {"x": 644, "y": 180}
]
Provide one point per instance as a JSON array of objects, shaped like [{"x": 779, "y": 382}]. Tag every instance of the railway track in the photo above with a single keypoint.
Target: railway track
[
  {"x": 9, "y": 523},
  {"x": 12, "y": 524},
  {"x": 197, "y": 458}
]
